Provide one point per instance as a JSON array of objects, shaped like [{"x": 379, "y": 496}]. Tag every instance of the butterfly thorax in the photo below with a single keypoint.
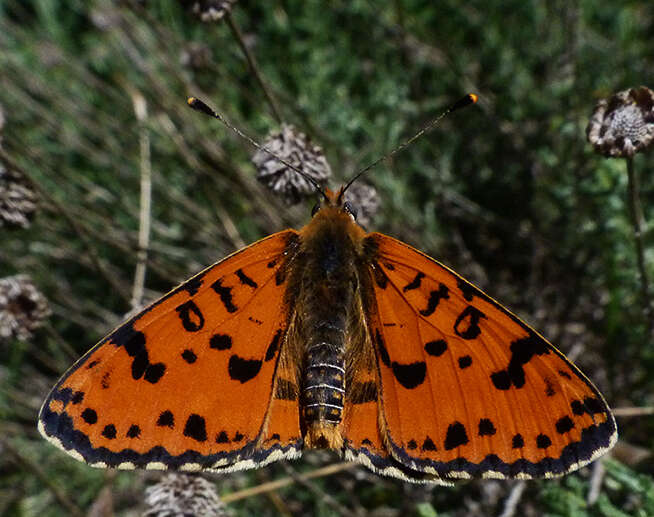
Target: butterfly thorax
[{"x": 325, "y": 288}]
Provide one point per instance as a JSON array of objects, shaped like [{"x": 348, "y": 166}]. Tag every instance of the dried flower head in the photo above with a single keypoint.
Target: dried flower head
[
  {"x": 212, "y": 10},
  {"x": 22, "y": 307},
  {"x": 365, "y": 200},
  {"x": 623, "y": 124},
  {"x": 17, "y": 199},
  {"x": 183, "y": 494},
  {"x": 296, "y": 149}
]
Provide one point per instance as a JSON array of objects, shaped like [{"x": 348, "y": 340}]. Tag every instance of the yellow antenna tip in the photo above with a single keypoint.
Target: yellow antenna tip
[{"x": 474, "y": 97}]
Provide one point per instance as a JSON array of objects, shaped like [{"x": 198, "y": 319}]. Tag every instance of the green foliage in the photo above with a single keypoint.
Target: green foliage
[{"x": 508, "y": 193}]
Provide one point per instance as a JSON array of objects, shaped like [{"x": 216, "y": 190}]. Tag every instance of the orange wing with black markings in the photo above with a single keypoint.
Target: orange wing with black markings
[
  {"x": 466, "y": 388},
  {"x": 168, "y": 389}
]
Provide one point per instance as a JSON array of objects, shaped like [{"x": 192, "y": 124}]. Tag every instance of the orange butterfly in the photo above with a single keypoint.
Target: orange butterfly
[{"x": 334, "y": 338}]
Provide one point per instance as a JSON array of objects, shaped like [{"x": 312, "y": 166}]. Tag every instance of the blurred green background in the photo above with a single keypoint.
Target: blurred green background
[{"x": 508, "y": 193}]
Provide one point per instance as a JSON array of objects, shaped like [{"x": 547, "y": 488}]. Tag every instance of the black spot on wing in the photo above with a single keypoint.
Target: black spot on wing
[
  {"x": 193, "y": 285},
  {"x": 518, "y": 442},
  {"x": 593, "y": 406},
  {"x": 410, "y": 375},
  {"x": 465, "y": 361},
  {"x": 109, "y": 431},
  {"x": 467, "y": 323},
  {"x": 362, "y": 392},
  {"x": 191, "y": 316},
  {"x": 543, "y": 441},
  {"x": 140, "y": 363},
  {"x": 93, "y": 364},
  {"x": 469, "y": 291},
  {"x": 166, "y": 419},
  {"x": 549, "y": 387},
  {"x": 243, "y": 370},
  {"x": 381, "y": 348},
  {"x": 220, "y": 342},
  {"x": 77, "y": 397},
  {"x": 577, "y": 407},
  {"x": 486, "y": 427},
  {"x": 225, "y": 294},
  {"x": 196, "y": 428},
  {"x": 434, "y": 298},
  {"x": 522, "y": 351},
  {"x": 134, "y": 344},
  {"x": 189, "y": 356},
  {"x": 466, "y": 289},
  {"x": 246, "y": 280},
  {"x": 456, "y": 436},
  {"x": 412, "y": 445},
  {"x": 222, "y": 437},
  {"x": 436, "y": 348},
  {"x": 238, "y": 437},
  {"x": 154, "y": 372},
  {"x": 134, "y": 431},
  {"x": 89, "y": 416},
  {"x": 429, "y": 445},
  {"x": 104, "y": 382},
  {"x": 564, "y": 424},
  {"x": 273, "y": 346},
  {"x": 415, "y": 283}
]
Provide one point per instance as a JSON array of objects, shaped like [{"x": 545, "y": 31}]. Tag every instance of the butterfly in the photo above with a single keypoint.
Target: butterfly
[{"x": 332, "y": 338}]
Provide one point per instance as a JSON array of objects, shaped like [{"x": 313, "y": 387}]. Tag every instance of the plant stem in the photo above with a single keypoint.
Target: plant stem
[
  {"x": 638, "y": 223},
  {"x": 253, "y": 66},
  {"x": 140, "y": 108}
]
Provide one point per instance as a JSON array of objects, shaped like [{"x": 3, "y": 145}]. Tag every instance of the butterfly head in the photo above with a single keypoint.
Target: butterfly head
[{"x": 333, "y": 204}]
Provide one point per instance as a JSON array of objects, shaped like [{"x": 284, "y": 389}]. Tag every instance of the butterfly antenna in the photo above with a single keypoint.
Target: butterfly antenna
[
  {"x": 202, "y": 107},
  {"x": 471, "y": 98}
]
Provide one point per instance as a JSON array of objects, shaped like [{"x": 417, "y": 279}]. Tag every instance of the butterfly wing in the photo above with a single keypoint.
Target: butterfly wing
[
  {"x": 190, "y": 382},
  {"x": 466, "y": 388}
]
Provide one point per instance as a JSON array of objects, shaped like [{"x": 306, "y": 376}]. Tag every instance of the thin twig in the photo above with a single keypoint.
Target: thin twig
[
  {"x": 263, "y": 476},
  {"x": 637, "y": 219},
  {"x": 34, "y": 468},
  {"x": 596, "y": 479},
  {"x": 633, "y": 411},
  {"x": 511, "y": 503},
  {"x": 254, "y": 68},
  {"x": 140, "y": 108},
  {"x": 280, "y": 483}
]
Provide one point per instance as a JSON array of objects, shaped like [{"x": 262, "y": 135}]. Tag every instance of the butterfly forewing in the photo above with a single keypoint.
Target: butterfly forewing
[
  {"x": 187, "y": 383},
  {"x": 466, "y": 388}
]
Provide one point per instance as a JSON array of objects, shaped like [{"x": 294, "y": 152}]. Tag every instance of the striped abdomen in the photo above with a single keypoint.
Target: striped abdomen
[{"x": 323, "y": 387}]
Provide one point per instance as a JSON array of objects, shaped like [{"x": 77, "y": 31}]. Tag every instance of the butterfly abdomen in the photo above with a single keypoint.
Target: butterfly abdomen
[
  {"x": 327, "y": 302},
  {"x": 323, "y": 388}
]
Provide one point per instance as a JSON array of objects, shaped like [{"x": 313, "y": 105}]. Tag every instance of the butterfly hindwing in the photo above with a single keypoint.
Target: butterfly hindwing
[
  {"x": 468, "y": 389},
  {"x": 188, "y": 382}
]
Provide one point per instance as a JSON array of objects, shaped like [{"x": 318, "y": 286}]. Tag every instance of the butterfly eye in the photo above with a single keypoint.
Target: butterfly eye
[
  {"x": 315, "y": 209},
  {"x": 347, "y": 206}
]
